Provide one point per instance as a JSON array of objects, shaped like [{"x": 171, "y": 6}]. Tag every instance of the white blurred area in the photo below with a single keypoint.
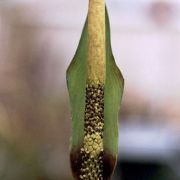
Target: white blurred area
[{"x": 146, "y": 45}]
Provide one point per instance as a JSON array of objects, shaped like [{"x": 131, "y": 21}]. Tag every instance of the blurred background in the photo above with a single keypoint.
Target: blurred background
[{"x": 37, "y": 42}]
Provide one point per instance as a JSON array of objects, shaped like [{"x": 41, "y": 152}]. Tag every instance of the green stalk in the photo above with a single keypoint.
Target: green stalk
[{"x": 95, "y": 87}]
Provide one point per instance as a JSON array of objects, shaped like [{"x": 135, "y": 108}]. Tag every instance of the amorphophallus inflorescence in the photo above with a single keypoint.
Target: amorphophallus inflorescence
[{"x": 95, "y": 86}]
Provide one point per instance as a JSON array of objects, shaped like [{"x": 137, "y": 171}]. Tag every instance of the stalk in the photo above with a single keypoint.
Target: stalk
[{"x": 96, "y": 63}]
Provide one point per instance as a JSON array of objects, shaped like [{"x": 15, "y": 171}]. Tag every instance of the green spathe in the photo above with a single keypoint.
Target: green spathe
[
  {"x": 114, "y": 84},
  {"x": 76, "y": 76}
]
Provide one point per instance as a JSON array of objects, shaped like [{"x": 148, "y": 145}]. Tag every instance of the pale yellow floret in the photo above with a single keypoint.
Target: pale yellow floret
[
  {"x": 96, "y": 63},
  {"x": 93, "y": 144}
]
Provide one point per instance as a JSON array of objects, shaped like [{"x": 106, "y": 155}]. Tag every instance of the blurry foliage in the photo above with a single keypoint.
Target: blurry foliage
[
  {"x": 34, "y": 119},
  {"x": 19, "y": 164},
  {"x": 28, "y": 152}
]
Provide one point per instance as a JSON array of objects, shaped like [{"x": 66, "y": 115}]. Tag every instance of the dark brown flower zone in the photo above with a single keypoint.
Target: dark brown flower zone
[
  {"x": 92, "y": 150},
  {"x": 90, "y": 162},
  {"x": 77, "y": 160}
]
